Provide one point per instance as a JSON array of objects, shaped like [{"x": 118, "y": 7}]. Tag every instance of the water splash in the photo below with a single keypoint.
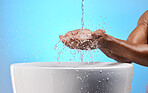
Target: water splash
[
  {"x": 107, "y": 79},
  {"x": 101, "y": 71},
  {"x": 91, "y": 56},
  {"x": 56, "y": 46},
  {"x": 82, "y": 55},
  {"x": 81, "y": 52}
]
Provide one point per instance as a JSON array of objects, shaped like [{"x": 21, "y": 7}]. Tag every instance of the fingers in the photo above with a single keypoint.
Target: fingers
[
  {"x": 64, "y": 39},
  {"x": 74, "y": 39},
  {"x": 61, "y": 37},
  {"x": 99, "y": 35},
  {"x": 75, "y": 32},
  {"x": 68, "y": 33}
]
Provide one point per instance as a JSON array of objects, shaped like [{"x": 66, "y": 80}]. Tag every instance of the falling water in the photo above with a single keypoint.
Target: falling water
[
  {"x": 82, "y": 23},
  {"x": 83, "y": 36},
  {"x": 82, "y": 19}
]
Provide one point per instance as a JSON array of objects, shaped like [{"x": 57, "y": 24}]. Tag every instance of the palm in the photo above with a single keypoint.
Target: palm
[{"x": 79, "y": 40}]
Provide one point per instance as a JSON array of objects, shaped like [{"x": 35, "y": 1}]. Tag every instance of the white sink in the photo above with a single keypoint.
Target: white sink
[{"x": 72, "y": 77}]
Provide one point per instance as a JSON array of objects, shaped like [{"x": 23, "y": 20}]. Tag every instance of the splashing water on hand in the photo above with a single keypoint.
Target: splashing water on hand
[{"x": 81, "y": 52}]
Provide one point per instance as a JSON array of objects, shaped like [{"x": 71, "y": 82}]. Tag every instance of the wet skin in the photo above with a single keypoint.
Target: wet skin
[{"x": 134, "y": 49}]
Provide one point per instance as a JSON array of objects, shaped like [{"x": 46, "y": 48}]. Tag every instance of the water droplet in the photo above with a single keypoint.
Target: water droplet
[
  {"x": 101, "y": 71},
  {"x": 87, "y": 75},
  {"x": 107, "y": 79},
  {"x": 77, "y": 70},
  {"x": 55, "y": 48},
  {"x": 79, "y": 78}
]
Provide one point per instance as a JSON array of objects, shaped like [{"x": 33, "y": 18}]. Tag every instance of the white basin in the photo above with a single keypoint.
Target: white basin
[{"x": 72, "y": 77}]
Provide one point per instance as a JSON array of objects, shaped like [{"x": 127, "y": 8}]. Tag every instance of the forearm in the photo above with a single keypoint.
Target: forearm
[
  {"x": 137, "y": 53},
  {"x": 114, "y": 56}
]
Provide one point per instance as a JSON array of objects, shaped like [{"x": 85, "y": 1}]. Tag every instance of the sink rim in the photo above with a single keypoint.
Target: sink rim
[{"x": 73, "y": 65}]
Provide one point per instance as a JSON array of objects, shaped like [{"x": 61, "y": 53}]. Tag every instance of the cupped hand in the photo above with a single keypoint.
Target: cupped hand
[
  {"x": 84, "y": 40},
  {"x": 91, "y": 40}
]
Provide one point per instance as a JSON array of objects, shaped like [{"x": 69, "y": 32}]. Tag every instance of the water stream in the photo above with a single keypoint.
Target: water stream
[
  {"x": 82, "y": 19},
  {"x": 81, "y": 52}
]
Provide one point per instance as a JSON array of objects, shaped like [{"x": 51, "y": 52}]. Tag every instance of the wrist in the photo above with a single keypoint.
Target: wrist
[{"x": 107, "y": 42}]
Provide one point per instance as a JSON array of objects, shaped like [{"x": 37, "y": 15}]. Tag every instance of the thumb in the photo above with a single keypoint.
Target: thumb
[
  {"x": 61, "y": 37},
  {"x": 99, "y": 32}
]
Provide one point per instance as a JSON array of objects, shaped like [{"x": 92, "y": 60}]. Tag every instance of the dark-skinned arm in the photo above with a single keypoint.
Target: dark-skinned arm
[
  {"x": 137, "y": 53},
  {"x": 138, "y": 36}
]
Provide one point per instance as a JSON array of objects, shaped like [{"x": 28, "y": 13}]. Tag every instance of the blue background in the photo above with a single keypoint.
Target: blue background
[{"x": 29, "y": 30}]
